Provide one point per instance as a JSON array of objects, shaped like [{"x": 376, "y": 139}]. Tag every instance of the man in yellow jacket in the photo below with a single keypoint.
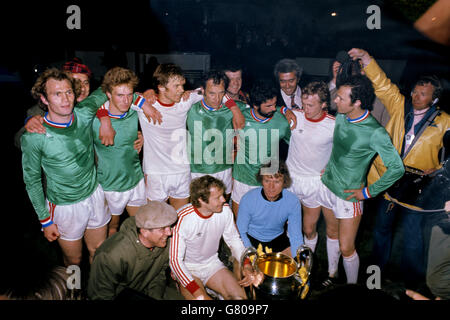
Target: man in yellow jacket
[{"x": 407, "y": 117}]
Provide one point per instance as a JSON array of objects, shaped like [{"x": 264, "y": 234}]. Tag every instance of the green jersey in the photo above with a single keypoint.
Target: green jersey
[
  {"x": 66, "y": 155},
  {"x": 355, "y": 143},
  {"x": 118, "y": 166},
  {"x": 258, "y": 144},
  {"x": 210, "y": 141}
]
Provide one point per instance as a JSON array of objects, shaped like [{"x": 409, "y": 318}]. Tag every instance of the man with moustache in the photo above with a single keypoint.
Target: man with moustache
[
  {"x": 259, "y": 141},
  {"x": 133, "y": 263}
]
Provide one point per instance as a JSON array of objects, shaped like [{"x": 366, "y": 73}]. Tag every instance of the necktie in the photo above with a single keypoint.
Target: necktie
[{"x": 293, "y": 104}]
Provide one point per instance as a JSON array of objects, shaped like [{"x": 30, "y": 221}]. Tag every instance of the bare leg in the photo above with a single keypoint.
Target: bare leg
[
  {"x": 348, "y": 229},
  {"x": 132, "y": 210},
  {"x": 178, "y": 203},
  {"x": 310, "y": 218},
  {"x": 72, "y": 251},
  {"x": 93, "y": 239},
  {"x": 331, "y": 222},
  {"x": 235, "y": 209},
  {"x": 287, "y": 252},
  {"x": 113, "y": 225},
  {"x": 225, "y": 283},
  {"x": 188, "y": 296}
]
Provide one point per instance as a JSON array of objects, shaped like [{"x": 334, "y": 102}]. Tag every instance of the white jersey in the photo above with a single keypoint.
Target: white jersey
[
  {"x": 165, "y": 144},
  {"x": 310, "y": 145},
  {"x": 196, "y": 239}
]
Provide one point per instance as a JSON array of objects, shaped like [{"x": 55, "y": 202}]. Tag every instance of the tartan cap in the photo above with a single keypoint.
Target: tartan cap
[{"x": 76, "y": 66}]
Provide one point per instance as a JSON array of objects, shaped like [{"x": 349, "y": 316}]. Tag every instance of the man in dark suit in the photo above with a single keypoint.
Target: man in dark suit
[{"x": 288, "y": 73}]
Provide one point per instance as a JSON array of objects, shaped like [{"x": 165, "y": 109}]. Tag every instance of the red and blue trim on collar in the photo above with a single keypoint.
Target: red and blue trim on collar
[
  {"x": 252, "y": 112},
  {"x": 359, "y": 119},
  {"x": 57, "y": 124},
  {"x": 204, "y": 105}
]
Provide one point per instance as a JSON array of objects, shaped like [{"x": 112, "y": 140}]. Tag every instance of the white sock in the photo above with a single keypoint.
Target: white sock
[
  {"x": 351, "y": 266},
  {"x": 333, "y": 253},
  {"x": 311, "y": 243}
]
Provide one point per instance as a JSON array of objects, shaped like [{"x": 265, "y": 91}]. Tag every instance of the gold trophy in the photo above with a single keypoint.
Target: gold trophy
[{"x": 280, "y": 276}]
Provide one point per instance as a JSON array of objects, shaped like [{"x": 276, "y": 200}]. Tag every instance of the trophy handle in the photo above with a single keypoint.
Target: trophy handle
[
  {"x": 250, "y": 251},
  {"x": 305, "y": 258},
  {"x": 304, "y": 265}
]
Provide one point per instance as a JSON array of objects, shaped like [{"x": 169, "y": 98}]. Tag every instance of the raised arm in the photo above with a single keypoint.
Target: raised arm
[{"x": 388, "y": 93}]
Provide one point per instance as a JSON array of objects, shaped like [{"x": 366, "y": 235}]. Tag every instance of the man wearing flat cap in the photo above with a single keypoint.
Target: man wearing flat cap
[{"x": 136, "y": 259}]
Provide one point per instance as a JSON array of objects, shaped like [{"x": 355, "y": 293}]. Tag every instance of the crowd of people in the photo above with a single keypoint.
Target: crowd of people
[{"x": 222, "y": 168}]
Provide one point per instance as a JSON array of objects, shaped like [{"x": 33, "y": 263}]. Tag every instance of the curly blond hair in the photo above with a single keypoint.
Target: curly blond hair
[{"x": 117, "y": 76}]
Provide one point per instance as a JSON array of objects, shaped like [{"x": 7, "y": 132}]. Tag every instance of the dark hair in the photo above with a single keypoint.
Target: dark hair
[
  {"x": 262, "y": 91},
  {"x": 216, "y": 76},
  {"x": 200, "y": 189},
  {"x": 40, "y": 86},
  {"x": 233, "y": 66},
  {"x": 434, "y": 81},
  {"x": 282, "y": 171},
  {"x": 320, "y": 88},
  {"x": 362, "y": 90},
  {"x": 286, "y": 66},
  {"x": 349, "y": 68},
  {"x": 164, "y": 72}
]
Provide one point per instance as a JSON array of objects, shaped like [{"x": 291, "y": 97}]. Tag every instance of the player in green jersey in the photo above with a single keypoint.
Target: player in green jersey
[
  {"x": 357, "y": 139},
  {"x": 118, "y": 167},
  {"x": 211, "y": 132},
  {"x": 73, "y": 205},
  {"x": 259, "y": 140}
]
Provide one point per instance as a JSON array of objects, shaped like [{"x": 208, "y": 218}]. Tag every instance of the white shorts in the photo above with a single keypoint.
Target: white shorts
[
  {"x": 160, "y": 187},
  {"x": 72, "y": 220},
  {"x": 239, "y": 189},
  {"x": 224, "y": 176},
  {"x": 342, "y": 209},
  {"x": 117, "y": 201},
  {"x": 205, "y": 271},
  {"x": 307, "y": 190}
]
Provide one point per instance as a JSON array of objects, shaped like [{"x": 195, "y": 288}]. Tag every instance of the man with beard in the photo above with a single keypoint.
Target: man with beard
[{"x": 258, "y": 142}]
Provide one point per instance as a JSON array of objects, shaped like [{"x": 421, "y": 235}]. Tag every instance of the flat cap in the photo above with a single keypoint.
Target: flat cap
[{"x": 155, "y": 214}]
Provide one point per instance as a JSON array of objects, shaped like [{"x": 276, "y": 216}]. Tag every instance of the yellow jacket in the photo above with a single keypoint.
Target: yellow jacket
[{"x": 424, "y": 154}]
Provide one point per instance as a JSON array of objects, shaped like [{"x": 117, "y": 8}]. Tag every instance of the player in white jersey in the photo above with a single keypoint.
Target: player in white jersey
[
  {"x": 309, "y": 151},
  {"x": 193, "y": 253},
  {"x": 165, "y": 162}
]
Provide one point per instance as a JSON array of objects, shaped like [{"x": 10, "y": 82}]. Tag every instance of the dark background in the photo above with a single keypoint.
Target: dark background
[{"x": 255, "y": 32}]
